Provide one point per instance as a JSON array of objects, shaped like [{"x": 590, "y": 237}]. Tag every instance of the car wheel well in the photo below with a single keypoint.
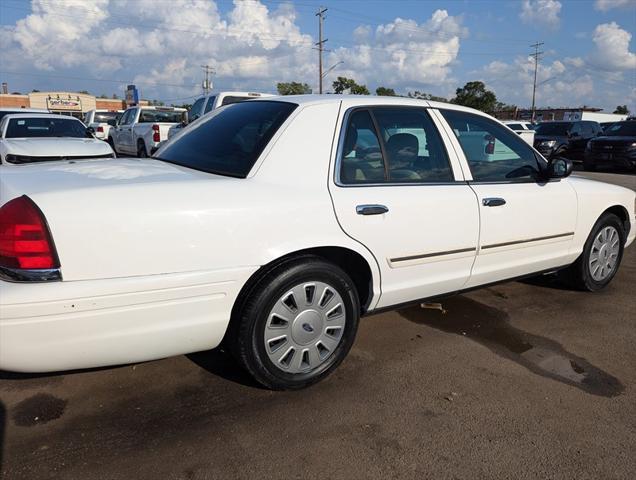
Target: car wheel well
[
  {"x": 622, "y": 214},
  {"x": 350, "y": 261}
]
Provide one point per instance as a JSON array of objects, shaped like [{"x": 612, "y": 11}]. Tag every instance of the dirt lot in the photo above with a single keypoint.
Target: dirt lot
[{"x": 521, "y": 380}]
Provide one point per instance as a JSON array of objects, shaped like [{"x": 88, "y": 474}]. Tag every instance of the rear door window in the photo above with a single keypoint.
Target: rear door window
[{"x": 229, "y": 140}]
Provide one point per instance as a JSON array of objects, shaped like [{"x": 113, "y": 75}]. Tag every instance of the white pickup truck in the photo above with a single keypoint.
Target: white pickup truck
[
  {"x": 140, "y": 129},
  {"x": 101, "y": 121},
  {"x": 211, "y": 101}
]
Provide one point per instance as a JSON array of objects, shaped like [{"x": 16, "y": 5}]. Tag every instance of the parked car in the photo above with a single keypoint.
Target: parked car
[
  {"x": 140, "y": 129},
  {"x": 209, "y": 102},
  {"x": 29, "y": 138},
  {"x": 565, "y": 139},
  {"x": 606, "y": 125},
  {"x": 273, "y": 225},
  {"x": 101, "y": 121},
  {"x": 524, "y": 129},
  {"x": 615, "y": 148},
  {"x": 9, "y": 111}
]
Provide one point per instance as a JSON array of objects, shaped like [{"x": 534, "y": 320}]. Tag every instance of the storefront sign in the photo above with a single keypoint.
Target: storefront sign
[{"x": 70, "y": 104}]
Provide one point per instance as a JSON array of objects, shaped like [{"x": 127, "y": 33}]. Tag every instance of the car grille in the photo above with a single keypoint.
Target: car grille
[
  {"x": 610, "y": 147},
  {"x": 30, "y": 159}
]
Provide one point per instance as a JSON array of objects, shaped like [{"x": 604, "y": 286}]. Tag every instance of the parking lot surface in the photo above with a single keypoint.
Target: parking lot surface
[{"x": 520, "y": 380}]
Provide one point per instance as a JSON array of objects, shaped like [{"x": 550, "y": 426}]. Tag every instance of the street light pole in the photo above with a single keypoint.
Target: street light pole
[{"x": 320, "y": 45}]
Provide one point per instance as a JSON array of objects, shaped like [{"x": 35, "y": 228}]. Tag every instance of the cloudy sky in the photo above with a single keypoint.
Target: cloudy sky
[{"x": 431, "y": 46}]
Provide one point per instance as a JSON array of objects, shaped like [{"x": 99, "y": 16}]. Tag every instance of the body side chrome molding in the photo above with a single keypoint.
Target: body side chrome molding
[{"x": 536, "y": 239}]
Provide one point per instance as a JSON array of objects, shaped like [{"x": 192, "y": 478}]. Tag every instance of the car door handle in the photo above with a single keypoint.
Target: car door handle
[
  {"x": 371, "y": 209},
  {"x": 493, "y": 202}
]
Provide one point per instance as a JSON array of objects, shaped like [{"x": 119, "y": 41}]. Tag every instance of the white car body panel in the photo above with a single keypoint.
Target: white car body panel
[{"x": 154, "y": 255}]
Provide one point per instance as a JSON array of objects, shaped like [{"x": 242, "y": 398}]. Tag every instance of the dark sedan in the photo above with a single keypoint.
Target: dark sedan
[{"x": 615, "y": 148}]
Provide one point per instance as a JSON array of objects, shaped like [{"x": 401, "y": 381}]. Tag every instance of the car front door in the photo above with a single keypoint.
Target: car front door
[
  {"x": 527, "y": 224},
  {"x": 399, "y": 191}
]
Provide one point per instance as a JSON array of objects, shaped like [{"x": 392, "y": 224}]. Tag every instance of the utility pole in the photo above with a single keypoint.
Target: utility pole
[
  {"x": 536, "y": 56},
  {"x": 206, "y": 83},
  {"x": 320, "y": 45}
]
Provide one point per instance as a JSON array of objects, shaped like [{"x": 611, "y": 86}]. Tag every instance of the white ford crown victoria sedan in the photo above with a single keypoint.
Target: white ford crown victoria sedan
[{"x": 273, "y": 225}]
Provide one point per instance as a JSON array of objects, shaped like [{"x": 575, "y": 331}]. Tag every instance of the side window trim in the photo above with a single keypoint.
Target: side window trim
[
  {"x": 380, "y": 137},
  {"x": 341, "y": 141}
]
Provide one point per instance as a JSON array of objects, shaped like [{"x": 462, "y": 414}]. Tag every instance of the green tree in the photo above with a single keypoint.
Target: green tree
[
  {"x": 475, "y": 95},
  {"x": 292, "y": 88},
  {"x": 622, "y": 110},
  {"x": 35, "y": 90},
  {"x": 342, "y": 84},
  {"x": 385, "y": 92},
  {"x": 85, "y": 92},
  {"x": 426, "y": 96},
  {"x": 504, "y": 107},
  {"x": 115, "y": 96},
  {"x": 103, "y": 95}
]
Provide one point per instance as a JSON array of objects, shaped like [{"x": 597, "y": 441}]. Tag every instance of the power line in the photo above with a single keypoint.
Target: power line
[{"x": 536, "y": 56}]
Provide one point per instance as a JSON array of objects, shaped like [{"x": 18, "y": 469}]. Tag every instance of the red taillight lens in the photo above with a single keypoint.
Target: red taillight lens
[
  {"x": 490, "y": 146},
  {"x": 155, "y": 136},
  {"x": 25, "y": 241},
  {"x": 100, "y": 129}
]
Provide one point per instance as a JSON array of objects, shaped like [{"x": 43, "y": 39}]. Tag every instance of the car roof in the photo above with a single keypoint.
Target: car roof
[
  {"x": 366, "y": 100},
  {"x": 39, "y": 115},
  {"x": 27, "y": 110},
  {"x": 160, "y": 108}
]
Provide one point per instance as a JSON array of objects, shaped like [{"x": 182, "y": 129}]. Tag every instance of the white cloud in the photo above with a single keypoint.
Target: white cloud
[
  {"x": 544, "y": 13},
  {"x": 404, "y": 52},
  {"x": 605, "y": 5},
  {"x": 612, "y": 48}
]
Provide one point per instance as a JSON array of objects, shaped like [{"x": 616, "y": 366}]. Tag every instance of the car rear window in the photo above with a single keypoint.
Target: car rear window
[
  {"x": 160, "y": 116},
  {"x": 107, "y": 117},
  {"x": 229, "y": 140}
]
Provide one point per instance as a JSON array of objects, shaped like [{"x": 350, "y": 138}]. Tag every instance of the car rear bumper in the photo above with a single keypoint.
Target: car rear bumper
[{"x": 69, "y": 325}]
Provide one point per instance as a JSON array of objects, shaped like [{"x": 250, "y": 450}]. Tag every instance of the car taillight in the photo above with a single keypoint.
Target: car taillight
[
  {"x": 25, "y": 240},
  {"x": 490, "y": 146},
  {"x": 100, "y": 129},
  {"x": 155, "y": 136}
]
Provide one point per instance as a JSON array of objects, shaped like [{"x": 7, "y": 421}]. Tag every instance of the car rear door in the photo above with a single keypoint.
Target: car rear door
[
  {"x": 398, "y": 191},
  {"x": 527, "y": 225}
]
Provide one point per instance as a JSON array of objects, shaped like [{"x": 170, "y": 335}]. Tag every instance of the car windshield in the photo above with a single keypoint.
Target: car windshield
[
  {"x": 160, "y": 116},
  {"x": 622, "y": 129},
  {"x": 107, "y": 117},
  {"x": 229, "y": 140},
  {"x": 45, "y": 127},
  {"x": 554, "y": 128}
]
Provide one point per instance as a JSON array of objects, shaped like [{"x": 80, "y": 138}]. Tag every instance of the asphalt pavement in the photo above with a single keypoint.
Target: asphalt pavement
[{"x": 522, "y": 380}]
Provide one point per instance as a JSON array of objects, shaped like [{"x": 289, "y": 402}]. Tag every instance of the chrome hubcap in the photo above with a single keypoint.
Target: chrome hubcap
[
  {"x": 604, "y": 254},
  {"x": 305, "y": 327}
]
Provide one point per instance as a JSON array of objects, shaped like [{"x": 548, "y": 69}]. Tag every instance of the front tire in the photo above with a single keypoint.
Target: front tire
[
  {"x": 601, "y": 257},
  {"x": 297, "y": 324}
]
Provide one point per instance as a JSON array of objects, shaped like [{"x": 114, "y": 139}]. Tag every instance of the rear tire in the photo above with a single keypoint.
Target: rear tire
[
  {"x": 141, "y": 149},
  {"x": 284, "y": 336},
  {"x": 601, "y": 257}
]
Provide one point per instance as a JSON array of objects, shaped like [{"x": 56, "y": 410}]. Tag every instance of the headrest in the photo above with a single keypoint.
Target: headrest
[{"x": 400, "y": 142}]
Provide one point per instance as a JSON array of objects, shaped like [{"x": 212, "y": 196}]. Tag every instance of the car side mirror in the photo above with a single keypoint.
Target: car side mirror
[
  {"x": 559, "y": 167},
  {"x": 90, "y": 132}
]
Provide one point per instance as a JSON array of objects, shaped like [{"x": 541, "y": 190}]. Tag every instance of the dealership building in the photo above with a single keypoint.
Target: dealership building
[{"x": 68, "y": 103}]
